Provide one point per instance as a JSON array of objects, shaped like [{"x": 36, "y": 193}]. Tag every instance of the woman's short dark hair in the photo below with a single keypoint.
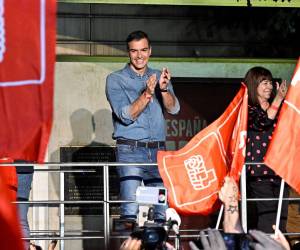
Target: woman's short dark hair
[
  {"x": 137, "y": 35},
  {"x": 252, "y": 78}
]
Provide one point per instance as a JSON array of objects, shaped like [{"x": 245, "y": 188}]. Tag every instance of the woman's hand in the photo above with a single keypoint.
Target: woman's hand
[
  {"x": 281, "y": 90},
  {"x": 229, "y": 191},
  {"x": 275, "y": 105}
]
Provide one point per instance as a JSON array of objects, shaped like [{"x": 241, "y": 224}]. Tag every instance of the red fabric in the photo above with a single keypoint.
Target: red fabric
[
  {"x": 27, "y": 56},
  {"x": 9, "y": 178},
  {"x": 283, "y": 155},
  {"x": 10, "y": 236},
  {"x": 194, "y": 174}
]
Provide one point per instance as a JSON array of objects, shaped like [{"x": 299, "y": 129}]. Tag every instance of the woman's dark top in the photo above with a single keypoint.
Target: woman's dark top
[{"x": 260, "y": 130}]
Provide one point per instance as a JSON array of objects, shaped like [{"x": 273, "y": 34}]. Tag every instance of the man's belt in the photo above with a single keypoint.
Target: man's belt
[{"x": 150, "y": 144}]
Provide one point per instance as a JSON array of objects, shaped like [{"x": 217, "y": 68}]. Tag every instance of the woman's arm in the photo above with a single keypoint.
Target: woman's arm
[
  {"x": 281, "y": 93},
  {"x": 229, "y": 196}
]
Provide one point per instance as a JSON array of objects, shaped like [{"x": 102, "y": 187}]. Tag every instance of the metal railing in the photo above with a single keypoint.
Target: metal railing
[{"x": 106, "y": 236}]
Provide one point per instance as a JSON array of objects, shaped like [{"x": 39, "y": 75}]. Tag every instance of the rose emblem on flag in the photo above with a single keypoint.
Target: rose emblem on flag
[
  {"x": 199, "y": 176},
  {"x": 194, "y": 174}
]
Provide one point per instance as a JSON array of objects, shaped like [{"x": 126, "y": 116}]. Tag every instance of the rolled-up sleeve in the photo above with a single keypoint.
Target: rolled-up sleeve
[
  {"x": 118, "y": 99},
  {"x": 176, "y": 108}
]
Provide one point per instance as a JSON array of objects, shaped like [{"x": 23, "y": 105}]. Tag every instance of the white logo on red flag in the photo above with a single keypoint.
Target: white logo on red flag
[
  {"x": 194, "y": 174},
  {"x": 2, "y": 31},
  {"x": 28, "y": 63},
  {"x": 199, "y": 176}
]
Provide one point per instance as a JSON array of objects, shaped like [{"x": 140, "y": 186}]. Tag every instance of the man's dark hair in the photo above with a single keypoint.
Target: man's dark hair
[{"x": 136, "y": 36}]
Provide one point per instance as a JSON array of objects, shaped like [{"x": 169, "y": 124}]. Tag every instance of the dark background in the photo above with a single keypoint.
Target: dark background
[{"x": 181, "y": 31}]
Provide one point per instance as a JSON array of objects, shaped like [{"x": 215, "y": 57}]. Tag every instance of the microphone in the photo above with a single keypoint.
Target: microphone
[{"x": 173, "y": 219}]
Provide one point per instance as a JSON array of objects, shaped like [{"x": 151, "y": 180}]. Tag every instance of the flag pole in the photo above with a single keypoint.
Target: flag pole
[
  {"x": 219, "y": 217},
  {"x": 243, "y": 199},
  {"x": 279, "y": 207}
]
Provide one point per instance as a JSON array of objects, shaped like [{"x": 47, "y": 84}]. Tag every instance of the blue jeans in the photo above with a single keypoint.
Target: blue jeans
[
  {"x": 24, "y": 187},
  {"x": 132, "y": 176}
]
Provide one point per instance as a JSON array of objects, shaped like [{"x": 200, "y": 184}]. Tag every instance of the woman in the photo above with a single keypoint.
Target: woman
[{"x": 262, "y": 182}]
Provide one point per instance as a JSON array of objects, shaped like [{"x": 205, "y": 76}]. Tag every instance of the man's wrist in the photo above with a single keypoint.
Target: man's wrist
[
  {"x": 147, "y": 96},
  {"x": 166, "y": 89}
]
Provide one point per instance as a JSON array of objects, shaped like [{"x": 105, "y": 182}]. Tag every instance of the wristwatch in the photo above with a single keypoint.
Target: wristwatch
[{"x": 164, "y": 90}]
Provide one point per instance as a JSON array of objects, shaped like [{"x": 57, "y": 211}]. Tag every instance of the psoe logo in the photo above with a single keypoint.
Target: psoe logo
[
  {"x": 2, "y": 31},
  {"x": 199, "y": 176}
]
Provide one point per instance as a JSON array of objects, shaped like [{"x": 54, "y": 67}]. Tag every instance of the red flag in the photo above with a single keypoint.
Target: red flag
[
  {"x": 283, "y": 155},
  {"x": 27, "y": 56},
  {"x": 9, "y": 175},
  {"x": 10, "y": 236},
  {"x": 194, "y": 174}
]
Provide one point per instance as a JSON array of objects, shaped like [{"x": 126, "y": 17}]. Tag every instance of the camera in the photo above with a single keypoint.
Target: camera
[
  {"x": 233, "y": 241},
  {"x": 152, "y": 236}
]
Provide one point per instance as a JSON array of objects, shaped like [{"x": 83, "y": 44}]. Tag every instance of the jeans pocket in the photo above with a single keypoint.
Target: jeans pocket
[{"x": 123, "y": 149}]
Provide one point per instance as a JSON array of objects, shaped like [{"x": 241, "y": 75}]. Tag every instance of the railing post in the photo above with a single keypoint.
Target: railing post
[
  {"x": 279, "y": 207},
  {"x": 106, "y": 205},
  {"x": 243, "y": 199},
  {"x": 220, "y": 217},
  {"x": 62, "y": 208}
]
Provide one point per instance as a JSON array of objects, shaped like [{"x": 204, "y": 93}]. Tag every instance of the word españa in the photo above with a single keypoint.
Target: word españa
[{"x": 184, "y": 127}]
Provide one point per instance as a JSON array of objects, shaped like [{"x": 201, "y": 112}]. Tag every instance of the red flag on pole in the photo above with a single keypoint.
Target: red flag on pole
[
  {"x": 10, "y": 179},
  {"x": 283, "y": 155},
  {"x": 10, "y": 236},
  {"x": 194, "y": 174},
  {"x": 27, "y": 56}
]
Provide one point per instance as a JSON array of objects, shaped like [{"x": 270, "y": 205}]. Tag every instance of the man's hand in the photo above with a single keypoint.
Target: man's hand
[
  {"x": 151, "y": 83},
  {"x": 164, "y": 79},
  {"x": 279, "y": 237},
  {"x": 131, "y": 244},
  {"x": 264, "y": 242},
  {"x": 168, "y": 246},
  {"x": 214, "y": 241}
]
